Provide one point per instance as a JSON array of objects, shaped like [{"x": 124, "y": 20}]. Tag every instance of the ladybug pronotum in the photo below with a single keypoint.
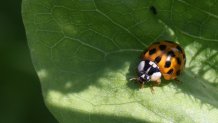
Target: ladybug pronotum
[{"x": 164, "y": 58}]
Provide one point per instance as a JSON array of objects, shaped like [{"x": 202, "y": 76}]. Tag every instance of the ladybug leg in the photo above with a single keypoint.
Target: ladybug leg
[
  {"x": 131, "y": 79},
  {"x": 138, "y": 81},
  {"x": 157, "y": 82},
  {"x": 142, "y": 85},
  {"x": 152, "y": 89}
]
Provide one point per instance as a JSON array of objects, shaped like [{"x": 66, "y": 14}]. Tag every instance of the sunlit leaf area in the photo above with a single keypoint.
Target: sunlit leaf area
[{"x": 85, "y": 51}]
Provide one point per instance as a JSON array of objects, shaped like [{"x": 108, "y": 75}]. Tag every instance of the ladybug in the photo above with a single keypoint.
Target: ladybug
[{"x": 164, "y": 58}]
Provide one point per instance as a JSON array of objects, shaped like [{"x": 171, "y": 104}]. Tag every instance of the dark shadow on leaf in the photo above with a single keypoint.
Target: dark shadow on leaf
[
  {"x": 197, "y": 87},
  {"x": 80, "y": 116}
]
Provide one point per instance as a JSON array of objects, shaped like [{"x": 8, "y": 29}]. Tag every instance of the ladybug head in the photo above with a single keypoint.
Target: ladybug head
[
  {"x": 143, "y": 77},
  {"x": 148, "y": 71}
]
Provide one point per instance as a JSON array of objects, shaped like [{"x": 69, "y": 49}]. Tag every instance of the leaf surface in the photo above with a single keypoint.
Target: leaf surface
[{"x": 85, "y": 51}]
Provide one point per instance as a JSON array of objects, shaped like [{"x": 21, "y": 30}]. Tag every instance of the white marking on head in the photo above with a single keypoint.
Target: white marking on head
[
  {"x": 141, "y": 66},
  {"x": 148, "y": 70},
  {"x": 143, "y": 75},
  {"x": 153, "y": 64},
  {"x": 155, "y": 76}
]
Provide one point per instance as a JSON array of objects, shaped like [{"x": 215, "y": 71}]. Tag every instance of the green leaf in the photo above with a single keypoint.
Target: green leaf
[{"x": 85, "y": 51}]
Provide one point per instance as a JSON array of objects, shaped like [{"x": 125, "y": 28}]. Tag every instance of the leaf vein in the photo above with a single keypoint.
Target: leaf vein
[{"x": 118, "y": 25}]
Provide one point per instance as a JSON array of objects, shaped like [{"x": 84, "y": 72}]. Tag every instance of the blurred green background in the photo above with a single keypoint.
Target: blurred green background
[{"x": 20, "y": 95}]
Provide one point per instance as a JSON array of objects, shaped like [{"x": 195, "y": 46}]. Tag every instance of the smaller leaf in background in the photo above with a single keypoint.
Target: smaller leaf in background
[{"x": 21, "y": 99}]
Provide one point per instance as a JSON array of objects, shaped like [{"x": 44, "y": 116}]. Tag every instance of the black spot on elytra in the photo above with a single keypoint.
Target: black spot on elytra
[
  {"x": 162, "y": 47},
  {"x": 171, "y": 53},
  {"x": 153, "y": 10},
  {"x": 179, "y": 48},
  {"x": 152, "y": 51},
  {"x": 167, "y": 64},
  {"x": 178, "y": 61},
  {"x": 178, "y": 72},
  {"x": 170, "y": 71},
  {"x": 157, "y": 59}
]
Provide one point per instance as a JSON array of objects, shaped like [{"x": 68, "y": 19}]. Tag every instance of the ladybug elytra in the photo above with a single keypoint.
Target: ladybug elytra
[{"x": 164, "y": 58}]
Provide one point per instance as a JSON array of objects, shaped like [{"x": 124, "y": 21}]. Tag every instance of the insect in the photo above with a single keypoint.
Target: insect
[{"x": 164, "y": 58}]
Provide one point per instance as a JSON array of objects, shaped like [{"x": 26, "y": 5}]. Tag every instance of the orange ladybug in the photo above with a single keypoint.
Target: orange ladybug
[{"x": 164, "y": 58}]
